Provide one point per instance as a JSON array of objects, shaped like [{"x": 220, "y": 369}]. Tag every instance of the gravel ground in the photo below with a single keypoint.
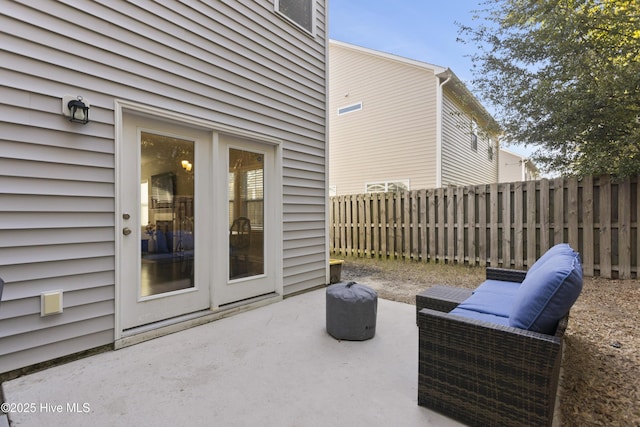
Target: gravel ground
[{"x": 600, "y": 385}]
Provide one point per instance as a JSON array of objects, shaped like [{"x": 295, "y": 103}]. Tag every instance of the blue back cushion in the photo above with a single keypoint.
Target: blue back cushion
[
  {"x": 548, "y": 291},
  {"x": 560, "y": 248}
]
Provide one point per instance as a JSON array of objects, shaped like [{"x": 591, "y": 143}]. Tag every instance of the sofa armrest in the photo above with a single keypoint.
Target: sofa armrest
[
  {"x": 506, "y": 274},
  {"x": 486, "y": 374}
]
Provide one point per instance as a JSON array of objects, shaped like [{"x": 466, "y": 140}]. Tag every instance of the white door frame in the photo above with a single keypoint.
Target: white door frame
[{"x": 275, "y": 247}]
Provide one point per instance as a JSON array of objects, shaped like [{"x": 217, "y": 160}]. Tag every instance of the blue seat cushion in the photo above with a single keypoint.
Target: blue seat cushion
[
  {"x": 470, "y": 314},
  {"x": 498, "y": 287},
  {"x": 491, "y": 298},
  {"x": 548, "y": 292}
]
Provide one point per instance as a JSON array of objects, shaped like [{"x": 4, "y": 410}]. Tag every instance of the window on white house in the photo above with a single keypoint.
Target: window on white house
[
  {"x": 474, "y": 135},
  {"x": 350, "y": 108},
  {"x": 300, "y": 12},
  {"x": 387, "y": 186}
]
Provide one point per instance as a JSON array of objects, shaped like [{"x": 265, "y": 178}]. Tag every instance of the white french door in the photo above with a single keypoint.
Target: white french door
[
  {"x": 247, "y": 181},
  {"x": 164, "y": 222},
  {"x": 199, "y": 220}
]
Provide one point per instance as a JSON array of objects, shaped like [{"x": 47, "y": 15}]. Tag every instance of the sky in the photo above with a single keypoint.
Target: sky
[{"x": 422, "y": 30}]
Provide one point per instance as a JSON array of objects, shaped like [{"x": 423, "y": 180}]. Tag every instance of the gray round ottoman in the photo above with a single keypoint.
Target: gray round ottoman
[{"x": 351, "y": 311}]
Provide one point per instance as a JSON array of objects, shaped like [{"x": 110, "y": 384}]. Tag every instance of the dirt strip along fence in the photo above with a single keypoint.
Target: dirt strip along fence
[{"x": 506, "y": 225}]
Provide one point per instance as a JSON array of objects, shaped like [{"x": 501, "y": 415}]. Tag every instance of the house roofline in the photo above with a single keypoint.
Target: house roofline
[
  {"x": 466, "y": 96},
  {"x": 437, "y": 69}
]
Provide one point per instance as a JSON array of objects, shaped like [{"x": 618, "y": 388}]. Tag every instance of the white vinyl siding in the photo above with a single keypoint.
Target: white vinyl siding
[
  {"x": 462, "y": 164},
  {"x": 395, "y": 133},
  {"x": 234, "y": 63}
]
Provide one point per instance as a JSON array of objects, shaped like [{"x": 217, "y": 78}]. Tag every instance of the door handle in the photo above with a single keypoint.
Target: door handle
[{"x": 126, "y": 231}]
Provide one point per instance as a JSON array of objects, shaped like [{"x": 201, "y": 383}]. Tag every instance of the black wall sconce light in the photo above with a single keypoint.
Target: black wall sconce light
[{"x": 76, "y": 108}]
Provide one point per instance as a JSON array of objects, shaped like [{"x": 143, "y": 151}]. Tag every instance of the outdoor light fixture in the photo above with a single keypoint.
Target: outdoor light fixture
[
  {"x": 187, "y": 165},
  {"x": 76, "y": 108}
]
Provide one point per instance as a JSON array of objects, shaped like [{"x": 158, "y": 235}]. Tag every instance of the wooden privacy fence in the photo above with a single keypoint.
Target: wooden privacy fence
[{"x": 507, "y": 225}]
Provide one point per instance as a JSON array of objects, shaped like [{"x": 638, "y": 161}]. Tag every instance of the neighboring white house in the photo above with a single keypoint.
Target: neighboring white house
[
  {"x": 397, "y": 123},
  {"x": 196, "y": 189},
  {"x": 514, "y": 167}
]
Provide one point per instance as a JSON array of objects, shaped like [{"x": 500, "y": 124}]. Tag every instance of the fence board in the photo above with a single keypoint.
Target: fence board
[
  {"x": 433, "y": 206},
  {"x": 572, "y": 220},
  {"x": 451, "y": 224},
  {"x": 624, "y": 230},
  {"x": 605, "y": 227},
  {"x": 558, "y": 210},
  {"x": 518, "y": 225},
  {"x": 377, "y": 246},
  {"x": 423, "y": 225},
  {"x": 482, "y": 225},
  {"x": 460, "y": 224},
  {"x": 494, "y": 225},
  {"x": 507, "y": 225},
  {"x": 544, "y": 216},
  {"x": 588, "y": 259},
  {"x": 531, "y": 223}
]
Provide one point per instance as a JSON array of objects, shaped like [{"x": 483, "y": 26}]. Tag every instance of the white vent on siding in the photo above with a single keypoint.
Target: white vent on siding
[{"x": 350, "y": 108}]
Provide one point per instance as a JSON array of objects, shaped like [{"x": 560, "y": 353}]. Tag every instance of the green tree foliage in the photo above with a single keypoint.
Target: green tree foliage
[{"x": 564, "y": 76}]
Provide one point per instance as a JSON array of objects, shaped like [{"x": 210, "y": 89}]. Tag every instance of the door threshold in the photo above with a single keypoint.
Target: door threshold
[{"x": 175, "y": 324}]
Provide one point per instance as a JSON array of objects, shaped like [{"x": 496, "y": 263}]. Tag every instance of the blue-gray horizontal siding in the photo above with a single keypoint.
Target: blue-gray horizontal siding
[{"x": 230, "y": 62}]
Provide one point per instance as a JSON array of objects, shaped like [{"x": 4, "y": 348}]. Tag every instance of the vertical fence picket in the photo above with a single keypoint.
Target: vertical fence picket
[
  {"x": 451, "y": 224},
  {"x": 494, "y": 240},
  {"x": 349, "y": 223},
  {"x": 460, "y": 221},
  {"x": 544, "y": 216},
  {"x": 482, "y": 225},
  {"x": 531, "y": 223},
  {"x": 588, "y": 242},
  {"x": 558, "y": 210},
  {"x": 518, "y": 235},
  {"x": 376, "y": 225},
  {"x": 471, "y": 225},
  {"x": 624, "y": 229},
  {"x": 406, "y": 225},
  {"x": 507, "y": 254},
  {"x": 414, "y": 225},
  {"x": 423, "y": 226},
  {"x": 572, "y": 209},
  {"x": 605, "y": 227},
  {"x": 384, "y": 226},
  {"x": 433, "y": 206}
]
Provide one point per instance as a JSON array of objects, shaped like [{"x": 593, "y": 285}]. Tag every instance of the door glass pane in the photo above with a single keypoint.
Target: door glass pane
[
  {"x": 167, "y": 247},
  {"x": 246, "y": 213}
]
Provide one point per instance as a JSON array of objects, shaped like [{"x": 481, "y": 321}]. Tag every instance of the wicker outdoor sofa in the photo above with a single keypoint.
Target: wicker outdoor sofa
[{"x": 477, "y": 368}]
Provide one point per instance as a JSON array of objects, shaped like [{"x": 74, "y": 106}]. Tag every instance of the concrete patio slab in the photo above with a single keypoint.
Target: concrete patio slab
[{"x": 273, "y": 366}]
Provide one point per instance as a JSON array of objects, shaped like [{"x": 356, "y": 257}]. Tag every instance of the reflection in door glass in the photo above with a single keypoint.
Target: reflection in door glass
[
  {"x": 246, "y": 213},
  {"x": 166, "y": 173}
]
